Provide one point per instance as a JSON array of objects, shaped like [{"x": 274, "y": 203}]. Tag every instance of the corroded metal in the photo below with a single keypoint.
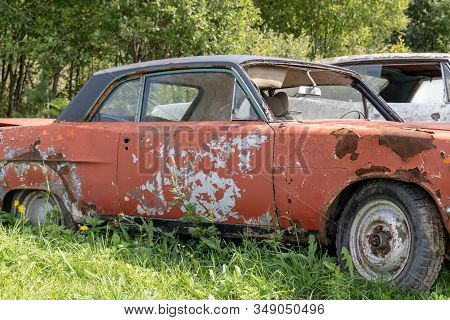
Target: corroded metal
[{"x": 282, "y": 175}]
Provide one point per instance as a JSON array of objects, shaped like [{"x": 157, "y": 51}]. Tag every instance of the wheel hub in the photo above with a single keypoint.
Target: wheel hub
[{"x": 380, "y": 240}]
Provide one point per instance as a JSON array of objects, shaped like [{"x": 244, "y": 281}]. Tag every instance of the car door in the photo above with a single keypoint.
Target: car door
[{"x": 199, "y": 150}]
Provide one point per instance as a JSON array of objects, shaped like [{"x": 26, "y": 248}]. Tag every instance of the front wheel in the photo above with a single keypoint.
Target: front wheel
[{"x": 393, "y": 231}]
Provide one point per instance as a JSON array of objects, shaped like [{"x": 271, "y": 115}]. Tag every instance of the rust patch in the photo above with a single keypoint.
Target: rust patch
[
  {"x": 372, "y": 169},
  {"x": 412, "y": 175},
  {"x": 379, "y": 242},
  {"x": 347, "y": 143},
  {"x": 88, "y": 208},
  {"x": 442, "y": 154},
  {"x": 407, "y": 147},
  {"x": 435, "y": 116},
  {"x": 438, "y": 194}
]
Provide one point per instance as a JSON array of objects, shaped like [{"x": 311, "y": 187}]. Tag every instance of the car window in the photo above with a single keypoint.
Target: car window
[
  {"x": 166, "y": 101},
  {"x": 416, "y": 92},
  {"x": 121, "y": 104},
  {"x": 194, "y": 96},
  {"x": 242, "y": 108}
]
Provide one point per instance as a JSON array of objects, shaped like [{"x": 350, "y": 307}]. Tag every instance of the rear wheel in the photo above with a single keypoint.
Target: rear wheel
[
  {"x": 41, "y": 208},
  {"x": 393, "y": 231}
]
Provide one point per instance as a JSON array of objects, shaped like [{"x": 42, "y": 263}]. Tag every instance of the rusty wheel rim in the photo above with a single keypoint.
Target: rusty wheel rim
[
  {"x": 380, "y": 240},
  {"x": 42, "y": 209}
]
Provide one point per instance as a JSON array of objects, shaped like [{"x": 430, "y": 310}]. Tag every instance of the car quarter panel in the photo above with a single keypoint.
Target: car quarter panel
[
  {"x": 314, "y": 161},
  {"x": 76, "y": 161}
]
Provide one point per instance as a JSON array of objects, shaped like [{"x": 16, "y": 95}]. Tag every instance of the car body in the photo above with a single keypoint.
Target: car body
[
  {"x": 216, "y": 137},
  {"x": 416, "y": 85}
]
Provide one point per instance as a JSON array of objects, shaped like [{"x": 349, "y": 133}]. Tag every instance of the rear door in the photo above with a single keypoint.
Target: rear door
[{"x": 199, "y": 150}]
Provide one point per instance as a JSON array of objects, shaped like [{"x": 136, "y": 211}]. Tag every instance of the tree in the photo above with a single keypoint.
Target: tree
[
  {"x": 336, "y": 27},
  {"x": 142, "y": 30},
  {"x": 429, "y": 26},
  {"x": 49, "y": 48}
]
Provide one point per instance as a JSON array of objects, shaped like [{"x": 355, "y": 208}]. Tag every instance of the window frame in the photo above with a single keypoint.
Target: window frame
[
  {"x": 237, "y": 81},
  {"x": 445, "y": 71}
]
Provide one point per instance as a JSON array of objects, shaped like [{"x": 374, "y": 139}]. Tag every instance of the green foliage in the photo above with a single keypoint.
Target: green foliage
[
  {"x": 139, "y": 261},
  {"x": 337, "y": 27},
  {"x": 429, "y": 26},
  {"x": 49, "y": 49}
]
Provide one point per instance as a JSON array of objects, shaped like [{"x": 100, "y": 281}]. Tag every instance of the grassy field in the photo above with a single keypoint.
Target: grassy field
[{"x": 109, "y": 263}]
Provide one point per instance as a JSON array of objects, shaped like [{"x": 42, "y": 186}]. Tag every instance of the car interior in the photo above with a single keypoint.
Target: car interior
[
  {"x": 415, "y": 91},
  {"x": 298, "y": 93}
]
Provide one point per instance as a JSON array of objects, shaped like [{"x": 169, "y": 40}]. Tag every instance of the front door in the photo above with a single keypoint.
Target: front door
[{"x": 199, "y": 151}]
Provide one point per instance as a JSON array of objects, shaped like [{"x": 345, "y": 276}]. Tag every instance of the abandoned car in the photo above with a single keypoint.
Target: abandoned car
[
  {"x": 415, "y": 85},
  {"x": 252, "y": 144}
]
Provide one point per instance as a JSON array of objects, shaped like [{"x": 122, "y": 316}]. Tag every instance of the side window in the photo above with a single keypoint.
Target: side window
[
  {"x": 194, "y": 96},
  {"x": 121, "y": 104},
  {"x": 242, "y": 108},
  {"x": 168, "y": 101}
]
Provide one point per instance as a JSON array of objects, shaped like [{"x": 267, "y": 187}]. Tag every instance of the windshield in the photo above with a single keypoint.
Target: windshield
[
  {"x": 415, "y": 91},
  {"x": 307, "y": 93}
]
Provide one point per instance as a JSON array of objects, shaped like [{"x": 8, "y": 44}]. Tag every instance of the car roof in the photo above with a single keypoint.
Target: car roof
[
  {"x": 212, "y": 60},
  {"x": 388, "y": 57}
]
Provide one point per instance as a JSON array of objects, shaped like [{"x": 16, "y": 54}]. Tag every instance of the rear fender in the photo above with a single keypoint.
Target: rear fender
[{"x": 59, "y": 178}]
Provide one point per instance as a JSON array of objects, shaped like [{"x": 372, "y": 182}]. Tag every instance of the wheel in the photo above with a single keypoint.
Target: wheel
[
  {"x": 393, "y": 232},
  {"x": 18, "y": 198},
  {"x": 41, "y": 208}
]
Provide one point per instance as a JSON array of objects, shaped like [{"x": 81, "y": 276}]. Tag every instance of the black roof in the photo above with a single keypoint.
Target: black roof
[{"x": 94, "y": 87}]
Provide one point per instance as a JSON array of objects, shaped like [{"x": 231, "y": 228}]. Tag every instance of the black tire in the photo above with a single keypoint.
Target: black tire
[
  {"x": 28, "y": 197},
  {"x": 18, "y": 197},
  {"x": 425, "y": 240}
]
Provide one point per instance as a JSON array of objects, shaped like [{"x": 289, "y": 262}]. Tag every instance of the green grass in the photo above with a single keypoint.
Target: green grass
[{"x": 108, "y": 263}]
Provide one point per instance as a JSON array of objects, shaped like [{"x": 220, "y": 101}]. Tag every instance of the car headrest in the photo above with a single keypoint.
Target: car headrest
[{"x": 278, "y": 104}]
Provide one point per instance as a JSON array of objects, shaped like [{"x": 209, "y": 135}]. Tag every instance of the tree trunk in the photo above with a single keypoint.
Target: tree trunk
[
  {"x": 19, "y": 83},
  {"x": 70, "y": 80},
  {"x": 55, "y": 82},
  {"x": 12, "y": 84}
]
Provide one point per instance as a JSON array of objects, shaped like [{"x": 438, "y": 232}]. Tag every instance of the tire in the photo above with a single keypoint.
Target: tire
[
  {"x": 18, "y": 197},
  {"x": 42, "y": 208},
  {"x": 393, "y": 232}
]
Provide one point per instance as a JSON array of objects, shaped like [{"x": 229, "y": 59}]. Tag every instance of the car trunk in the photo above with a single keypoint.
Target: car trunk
[{"x": 15, "y": 122}]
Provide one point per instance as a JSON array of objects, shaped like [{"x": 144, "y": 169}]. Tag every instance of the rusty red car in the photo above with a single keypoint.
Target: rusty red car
[{"x": 251, "y": 144}]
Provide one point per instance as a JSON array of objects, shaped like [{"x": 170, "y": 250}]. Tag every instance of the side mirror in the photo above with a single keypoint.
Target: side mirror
[{"x": 308, "y": 91}]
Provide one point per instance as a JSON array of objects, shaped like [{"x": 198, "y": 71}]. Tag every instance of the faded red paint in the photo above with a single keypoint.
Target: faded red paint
[
  {"x": 249, "y": 168},
  {"x": 335, "y": 154}
]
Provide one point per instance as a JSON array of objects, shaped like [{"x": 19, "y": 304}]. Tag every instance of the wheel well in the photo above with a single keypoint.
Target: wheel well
[
  {"x": 7, "y": 200},
  {"x": 336, "y": 208}
]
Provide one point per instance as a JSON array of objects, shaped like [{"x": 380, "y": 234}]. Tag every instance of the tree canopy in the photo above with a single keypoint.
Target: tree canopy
[{"x": 48, "y": 49}]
